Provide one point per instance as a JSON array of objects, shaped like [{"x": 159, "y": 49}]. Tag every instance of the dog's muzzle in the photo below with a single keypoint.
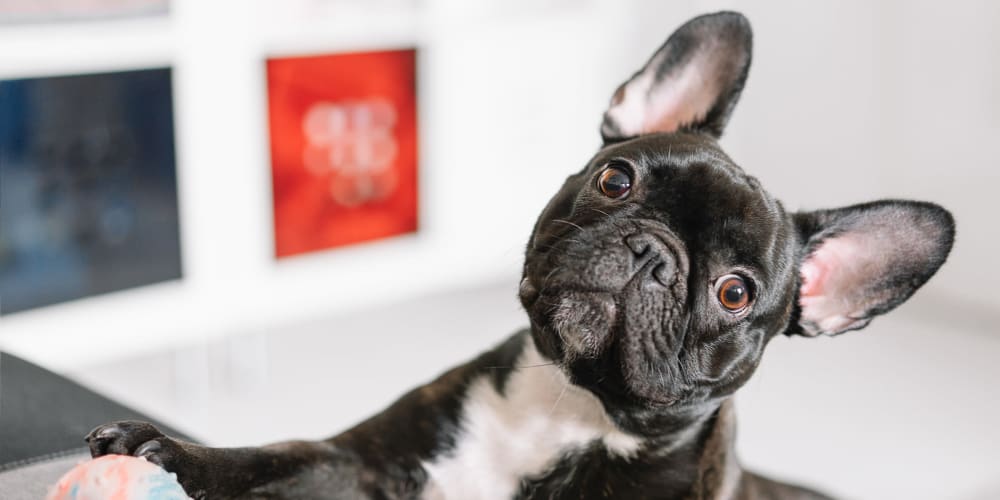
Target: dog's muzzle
[{"x": 581, "y": 290}]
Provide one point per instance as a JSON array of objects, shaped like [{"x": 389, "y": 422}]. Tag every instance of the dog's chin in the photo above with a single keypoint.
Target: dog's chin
[
  {"x": 572, "y": 323},
  {"x": 582, "y": 333}
]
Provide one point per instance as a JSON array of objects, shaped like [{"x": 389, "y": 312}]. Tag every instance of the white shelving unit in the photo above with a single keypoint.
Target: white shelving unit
[{"x": 496, "y": 138}]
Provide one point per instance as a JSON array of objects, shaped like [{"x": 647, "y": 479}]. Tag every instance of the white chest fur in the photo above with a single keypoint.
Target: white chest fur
[{"x": 505, "y": 438}]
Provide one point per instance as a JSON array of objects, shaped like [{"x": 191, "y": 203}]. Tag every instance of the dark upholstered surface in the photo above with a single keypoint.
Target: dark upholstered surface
[{"x": 42, "y": 413}]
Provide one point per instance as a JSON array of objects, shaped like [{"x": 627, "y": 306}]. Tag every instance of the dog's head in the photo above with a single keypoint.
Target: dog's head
[{"x": 659, "y": 272}]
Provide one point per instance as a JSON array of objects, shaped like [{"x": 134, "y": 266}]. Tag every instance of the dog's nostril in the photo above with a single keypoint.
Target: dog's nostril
[
  {"x": 665, "y": 271},
  {"x": 640, "y": 244},
  {"x": 650, "y": 251}
]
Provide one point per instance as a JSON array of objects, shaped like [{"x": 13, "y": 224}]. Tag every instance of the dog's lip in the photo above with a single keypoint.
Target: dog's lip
[
  {"x": 528, "y": 292},
  {"x": 530, "y": 295},
  {"x": 627, "y": 393},
  {"x": 660, "y": 402}
]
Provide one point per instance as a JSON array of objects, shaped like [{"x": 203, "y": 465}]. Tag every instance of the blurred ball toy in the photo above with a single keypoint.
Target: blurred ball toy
[{"x": 117, "y": 477}]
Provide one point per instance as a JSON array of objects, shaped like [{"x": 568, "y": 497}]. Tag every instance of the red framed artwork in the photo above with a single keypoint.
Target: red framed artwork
[{"x": 343, "y": 131}]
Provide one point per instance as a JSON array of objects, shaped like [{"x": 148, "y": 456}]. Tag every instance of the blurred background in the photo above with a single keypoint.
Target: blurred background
[{"x": 259, "y": 220}]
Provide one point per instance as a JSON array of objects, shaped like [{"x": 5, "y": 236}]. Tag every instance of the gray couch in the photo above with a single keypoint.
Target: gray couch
[{"x": 43, "y": 419}]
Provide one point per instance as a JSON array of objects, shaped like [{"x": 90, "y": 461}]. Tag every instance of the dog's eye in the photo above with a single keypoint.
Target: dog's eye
[
  {"x": 614, "y": 182},
  {"x": 733, "y": 293}
]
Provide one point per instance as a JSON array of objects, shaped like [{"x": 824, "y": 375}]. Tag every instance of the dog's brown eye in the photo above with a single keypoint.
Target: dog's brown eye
[
  {"x": 733, "y": 293},
  {"x": 614, "y": 182}
]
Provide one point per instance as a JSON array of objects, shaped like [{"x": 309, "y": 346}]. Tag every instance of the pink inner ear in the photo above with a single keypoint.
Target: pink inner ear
[
  {"x": 683, "y": 97},
  {"x": 687, "y": 100},
  {"x": 833, "y": 277},
  {"x": 813, "y": 273}
]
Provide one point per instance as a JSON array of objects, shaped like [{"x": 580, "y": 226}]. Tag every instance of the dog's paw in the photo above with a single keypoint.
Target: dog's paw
[
  {"x": 142, "y": 439},
  {"x": 139, "y": 439}
]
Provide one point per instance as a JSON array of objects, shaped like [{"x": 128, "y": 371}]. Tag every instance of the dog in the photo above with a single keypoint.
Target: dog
[{"x": 652, "y": 280}]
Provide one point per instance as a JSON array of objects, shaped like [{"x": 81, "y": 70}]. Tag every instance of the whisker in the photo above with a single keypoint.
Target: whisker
[
  {"x": 574, "y": 239},
  {"x": 558, "y": 399},
  {"x": 568, "y": 222},
  {"x": 615, "y": 224},
  {"x": 516, "y": 367},
  {"x": 545, "y": 281}
]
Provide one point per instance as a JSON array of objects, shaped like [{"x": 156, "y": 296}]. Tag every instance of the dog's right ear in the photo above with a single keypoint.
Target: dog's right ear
[{"x": 692, "y": 82}]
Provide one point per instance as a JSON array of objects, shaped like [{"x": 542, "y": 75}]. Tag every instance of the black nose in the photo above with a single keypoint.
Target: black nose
[{"x": 652, "y": 256}]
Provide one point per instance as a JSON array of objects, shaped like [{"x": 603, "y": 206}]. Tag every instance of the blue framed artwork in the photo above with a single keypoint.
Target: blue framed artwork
[{"x": 88, "y": 186}]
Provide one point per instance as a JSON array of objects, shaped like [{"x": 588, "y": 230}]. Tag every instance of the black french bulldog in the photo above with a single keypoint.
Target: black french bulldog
[{"x": 653, "y": 280}]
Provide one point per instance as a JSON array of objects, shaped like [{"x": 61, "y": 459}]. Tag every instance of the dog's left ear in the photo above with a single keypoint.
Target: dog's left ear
[
  {"x": 862, "y": 261},
  {"x": 692, "y": 82}
]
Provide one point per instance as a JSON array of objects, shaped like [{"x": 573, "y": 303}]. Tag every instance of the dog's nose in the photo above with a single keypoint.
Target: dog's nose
[{"x": 654, "y": 255}]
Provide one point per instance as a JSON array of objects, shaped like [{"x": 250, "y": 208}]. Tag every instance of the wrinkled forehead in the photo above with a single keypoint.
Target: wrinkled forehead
[
  {"x": 689, "y": 183},
  {"x": 667, "y": 150}
]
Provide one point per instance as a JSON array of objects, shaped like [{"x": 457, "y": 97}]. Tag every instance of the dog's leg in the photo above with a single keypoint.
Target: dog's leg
[
  {"x": 378, "y": 458},
  {"x": 294, "y": 469}
]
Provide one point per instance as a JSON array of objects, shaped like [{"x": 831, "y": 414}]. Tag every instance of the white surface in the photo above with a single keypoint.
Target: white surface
[{"x": 904, "y": 409}]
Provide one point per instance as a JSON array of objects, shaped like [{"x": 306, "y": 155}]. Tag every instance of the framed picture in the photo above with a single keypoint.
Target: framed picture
[
  {"x": 343, "y": 131},
  {"x": 88, "y": 187}
]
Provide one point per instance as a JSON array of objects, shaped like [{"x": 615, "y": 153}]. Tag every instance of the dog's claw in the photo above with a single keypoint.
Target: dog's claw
[
  {"x": 120, "y": 438},
  {"x": 148, "y": 448}
]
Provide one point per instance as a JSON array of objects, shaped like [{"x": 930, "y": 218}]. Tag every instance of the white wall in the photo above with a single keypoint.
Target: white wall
[
  {"x": 496, "y": 139},
  {"x": 847, "y": 101},
  {"x": 850, "y": 101}
]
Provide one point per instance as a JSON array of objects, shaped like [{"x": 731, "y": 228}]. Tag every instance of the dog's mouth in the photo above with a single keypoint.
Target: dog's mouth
[
  {"x": 609, "y": 309},
  {"x": 585, "y": 318}
]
